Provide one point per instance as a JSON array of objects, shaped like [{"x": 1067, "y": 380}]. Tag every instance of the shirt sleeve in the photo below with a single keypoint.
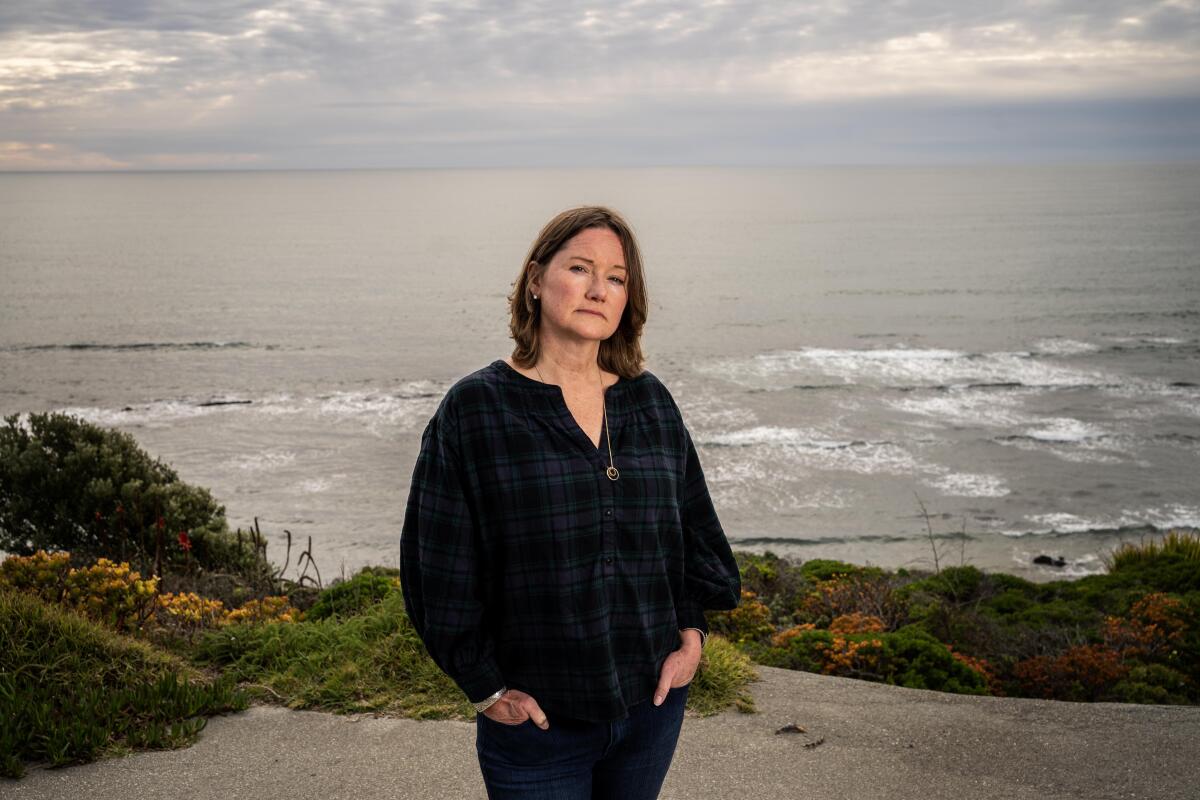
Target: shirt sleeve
[
  {"x": 439, "y": 567},
  {"x": 711, "y": 577}
]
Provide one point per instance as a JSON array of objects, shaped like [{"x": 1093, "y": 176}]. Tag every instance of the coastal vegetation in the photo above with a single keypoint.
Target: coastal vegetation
[
  {"x": 1129, "y": 635},
  {"x": 73, "y": 690},
  {"x": 129, "y": 613}
]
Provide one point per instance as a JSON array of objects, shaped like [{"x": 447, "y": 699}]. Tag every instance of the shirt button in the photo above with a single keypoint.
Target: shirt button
[
  {"x": 608, "y": 560},
  {"x": 608, "y": 512}
]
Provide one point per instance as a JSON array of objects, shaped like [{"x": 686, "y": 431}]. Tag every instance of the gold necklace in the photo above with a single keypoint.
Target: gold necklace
[{"x": 611, "y": 472}]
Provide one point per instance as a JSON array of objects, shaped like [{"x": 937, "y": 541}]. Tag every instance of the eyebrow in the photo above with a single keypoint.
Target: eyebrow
[{"x": 593, "y": 263}]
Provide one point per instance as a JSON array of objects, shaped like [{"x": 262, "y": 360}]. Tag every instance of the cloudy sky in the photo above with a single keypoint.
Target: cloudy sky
[{"x": 197, "y": 84}]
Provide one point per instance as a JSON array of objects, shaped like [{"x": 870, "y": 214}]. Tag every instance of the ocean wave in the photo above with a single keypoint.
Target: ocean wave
[
  {"x": 380, "y": 411},
  {"x": 1005, "y": 386},
  {"x": 1153, "y": 520},
  {"x": 752, "y": 485},
  {"x": 1064, "y": 347},
  {"x": 967, "y": 408},
  {"x": 784, "y": 541},
  {"x": 1066, "y": 430},
  {"x": 1178, "y": 397},
  {"x": 776, "y": 448},
  {"x": 122, "y": 346},
  {"x": 707, "y": 410},
  {"x": 1174, "y": 437},
  {"x": 773, "y": 435},
  {"x": 1104, "y": 449},
  {"x": 315, "y": 485},
  {"x": 1168, "y": 340},
  {"x": 266, "y": 461},
  {"x": 965, "y": 484},
  {"x": 1180, "y": 313},
  {"x": 817, "y": 387},
  {"x": 1067, "y": 434},
  {"x": 901, "y": 368},
  {"x": 1116, "y": 345},
  {"x": 1063, "y": 522}
]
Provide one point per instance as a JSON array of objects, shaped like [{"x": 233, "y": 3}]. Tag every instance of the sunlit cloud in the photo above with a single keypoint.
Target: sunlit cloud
[
  {"x": 287, "y": 84},
  {"x": 44, "y": 155}
]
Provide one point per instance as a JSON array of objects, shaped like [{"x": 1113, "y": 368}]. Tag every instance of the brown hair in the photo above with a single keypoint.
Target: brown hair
[{"x": 620, "y": 353}]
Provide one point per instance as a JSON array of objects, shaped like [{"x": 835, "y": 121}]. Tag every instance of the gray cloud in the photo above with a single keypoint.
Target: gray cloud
[{"x": 313, "y": 83}]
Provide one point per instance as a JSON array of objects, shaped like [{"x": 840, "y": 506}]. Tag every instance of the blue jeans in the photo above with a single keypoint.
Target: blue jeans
[{"x": 579, "y": 760}]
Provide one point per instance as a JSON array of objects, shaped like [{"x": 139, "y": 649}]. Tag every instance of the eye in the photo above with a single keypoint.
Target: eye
[
  {"x": 620, "y": 281},
  {"x": 579, "y": 266}
]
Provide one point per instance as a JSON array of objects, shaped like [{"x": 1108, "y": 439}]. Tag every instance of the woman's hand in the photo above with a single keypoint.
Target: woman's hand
[
  {"x": 514, "y": 707},
  {"x": 680, "y": 666}
]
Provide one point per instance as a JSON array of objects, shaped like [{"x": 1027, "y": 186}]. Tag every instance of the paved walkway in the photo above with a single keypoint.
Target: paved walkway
[{"x": 879, "y": 742}]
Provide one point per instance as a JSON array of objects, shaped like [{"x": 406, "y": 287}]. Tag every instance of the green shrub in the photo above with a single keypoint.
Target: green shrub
[
  {"x": 907, "y": 657},
  {"x": 804, "y": 651},
  {"x": 1056, "y": 611},
  {"x": 824, "y": 569},
  {"x": 959, "y": 585},
  {"x": 1010, "y": 602},
  {"x": 66, "y": 484},
  {"x": 1189, "y": 648},
  {"x": 919, "y": 661},
  {"x": 777, "y": 582},
  {"x": 1154, "y": 684},
  {"x": 347, "y": 598},
  {"x": 966, "y": 629},
  {"x": 72, "y": 691},
  {"x": 867, "y": 592},
  {"x": 1003, "y": 582},
  {"x": 1166, "y": 572},
  {"x": 750, "y": 621}
]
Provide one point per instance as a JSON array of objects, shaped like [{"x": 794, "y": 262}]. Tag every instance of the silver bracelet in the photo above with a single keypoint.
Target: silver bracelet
[
  {"x": 487, "y": 701},
  {"x": 703, "y": 635}
]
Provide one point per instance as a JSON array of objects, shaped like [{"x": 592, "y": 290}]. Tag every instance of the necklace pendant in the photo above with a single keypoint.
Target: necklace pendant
[{"x": 612, "y": 473}]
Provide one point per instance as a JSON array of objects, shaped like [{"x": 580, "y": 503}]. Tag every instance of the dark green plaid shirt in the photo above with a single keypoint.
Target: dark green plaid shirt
[{"x": 524, "y": 566}]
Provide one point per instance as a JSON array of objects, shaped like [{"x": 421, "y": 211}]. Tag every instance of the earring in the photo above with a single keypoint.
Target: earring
[{"x": 535, "y": 297}]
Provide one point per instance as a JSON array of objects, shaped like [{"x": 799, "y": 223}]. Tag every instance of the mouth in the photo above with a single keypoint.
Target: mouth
[{"x": 597, "y": 313}]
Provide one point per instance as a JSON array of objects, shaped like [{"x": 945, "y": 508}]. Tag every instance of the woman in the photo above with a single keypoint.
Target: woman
[{"x": 560, "y": 546}]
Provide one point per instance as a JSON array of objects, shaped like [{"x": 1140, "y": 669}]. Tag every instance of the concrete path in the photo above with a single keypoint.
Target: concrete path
[{"x": 879, "y": 742}]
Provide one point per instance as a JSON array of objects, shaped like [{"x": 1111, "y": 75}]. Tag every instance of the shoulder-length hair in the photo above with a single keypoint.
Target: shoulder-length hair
[{"x": 620, "y": 353}]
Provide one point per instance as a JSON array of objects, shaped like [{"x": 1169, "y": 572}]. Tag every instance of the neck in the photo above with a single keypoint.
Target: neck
[{"x": 570, "y": 364}]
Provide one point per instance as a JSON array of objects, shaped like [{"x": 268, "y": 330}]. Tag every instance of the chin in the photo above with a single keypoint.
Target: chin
[{"x": 589, "y": 326}]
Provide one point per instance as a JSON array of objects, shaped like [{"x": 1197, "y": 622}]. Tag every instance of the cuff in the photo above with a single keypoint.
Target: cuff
[
  {"x": 691, "y": 615},
  {"x": 481, "y": 683},
  {"x": 703, "y": 635}
]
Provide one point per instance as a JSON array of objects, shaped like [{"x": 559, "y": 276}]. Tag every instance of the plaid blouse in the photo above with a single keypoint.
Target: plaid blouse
[{"x": 523, "y": 565}]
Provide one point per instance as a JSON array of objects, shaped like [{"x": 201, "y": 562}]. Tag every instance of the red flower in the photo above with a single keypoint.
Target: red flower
[
  {"x": 184, "y": 541},
  {"x": 162, "y": 523},
  {"x": 98, "y": 518}
]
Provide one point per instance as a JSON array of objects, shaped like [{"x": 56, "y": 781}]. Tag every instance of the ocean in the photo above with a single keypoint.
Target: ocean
[{"x": 1016, "y": 349}]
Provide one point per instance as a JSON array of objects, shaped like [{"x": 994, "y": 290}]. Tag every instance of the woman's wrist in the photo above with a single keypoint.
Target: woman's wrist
[
  {"x": 490, "y": 699},
  {"x": 700, "y": 639}
]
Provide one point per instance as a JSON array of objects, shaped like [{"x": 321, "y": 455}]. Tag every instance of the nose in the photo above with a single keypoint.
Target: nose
[{"x": 597, "y": 289}]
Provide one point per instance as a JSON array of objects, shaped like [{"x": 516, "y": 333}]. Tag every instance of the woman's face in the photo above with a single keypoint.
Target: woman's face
[{"x": 582, "y": 290}]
